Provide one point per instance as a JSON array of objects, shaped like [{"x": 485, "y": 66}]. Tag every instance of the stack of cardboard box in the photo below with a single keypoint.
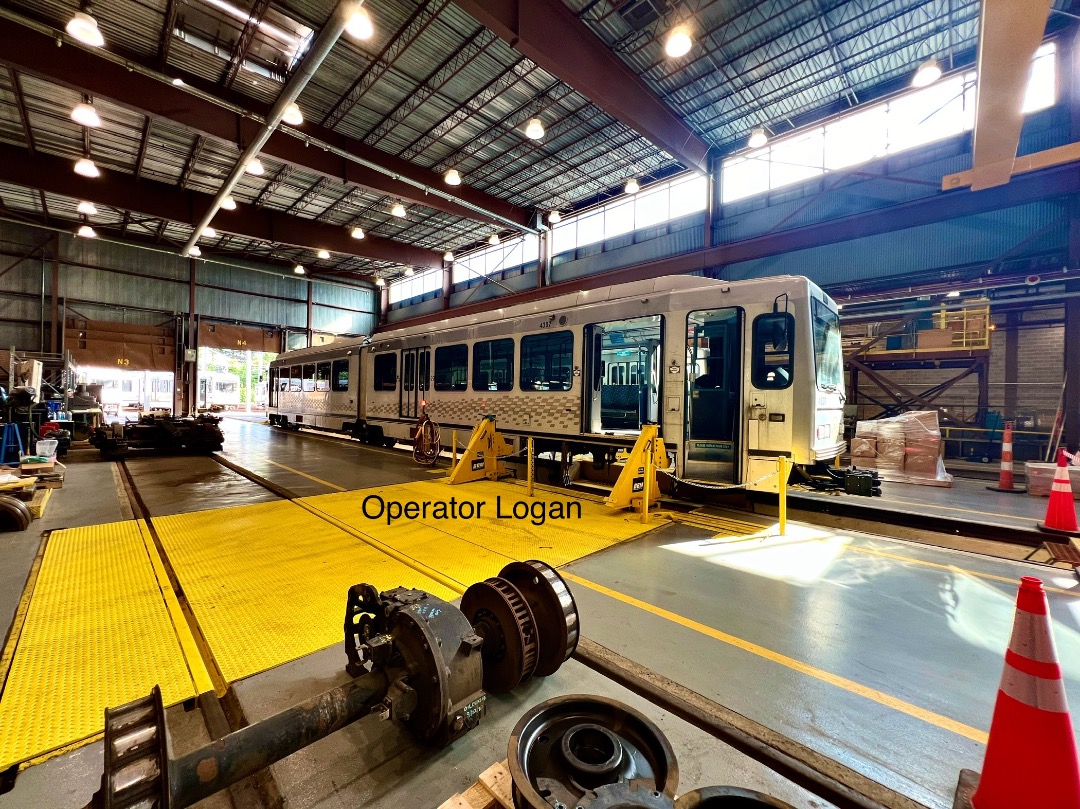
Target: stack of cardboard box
[{"x": 905, "y": 448}]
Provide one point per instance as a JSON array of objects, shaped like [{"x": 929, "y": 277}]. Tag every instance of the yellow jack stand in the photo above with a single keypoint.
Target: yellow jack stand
[
  {"x": 481, "y": 457},
  {"x": 637, "y": 487}
]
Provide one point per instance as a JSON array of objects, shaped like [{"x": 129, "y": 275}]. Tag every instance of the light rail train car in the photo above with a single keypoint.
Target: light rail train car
[
  {"x": 218, "y": 391},
  {"x": 736, "y": 373}
]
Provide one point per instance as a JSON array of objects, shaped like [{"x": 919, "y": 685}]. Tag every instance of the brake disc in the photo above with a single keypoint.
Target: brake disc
[
  {"x": 502, "y": 617},
  {"x": 589, "y": 752},
  {"x": 14, "y": 513},
  {"x": 553, "y": 608},
  {"x": 728, "y": 798}
]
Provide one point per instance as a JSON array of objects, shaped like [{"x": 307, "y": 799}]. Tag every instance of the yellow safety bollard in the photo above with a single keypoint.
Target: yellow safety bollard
[
  {"x": 648, "y": 478},
  {"x": 783, "y": 462},
  {"x": 532, "y": 470}
]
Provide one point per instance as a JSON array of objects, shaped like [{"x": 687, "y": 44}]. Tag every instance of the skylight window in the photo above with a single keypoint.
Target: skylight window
[{"x": 914, "y": 118}]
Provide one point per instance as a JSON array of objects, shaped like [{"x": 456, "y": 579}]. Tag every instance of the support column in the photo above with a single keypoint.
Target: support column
[
  {"x": 543, "y": 270},
  {"x": 1012, "y": 364},
  {"x": 710, "y": 208},
  {"x": 384, "y": 304},
  {"x": 1071, "y": 435},
  {"x": 191, "y": 369},
  {"x": 982, "y": 370},
  {"x": 447, "y": 283},
  {"x": 56, "y": 328},
  {"x": 310, "y": 312}
]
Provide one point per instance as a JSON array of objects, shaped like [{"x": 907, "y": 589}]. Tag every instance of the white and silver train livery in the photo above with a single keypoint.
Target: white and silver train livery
[{"x": 736, "y": 373}]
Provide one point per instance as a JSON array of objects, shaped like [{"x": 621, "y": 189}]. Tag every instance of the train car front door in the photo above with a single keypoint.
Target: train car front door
[
  {"x": 415, "y": 379},
  {"x": 713, "y": 391}
]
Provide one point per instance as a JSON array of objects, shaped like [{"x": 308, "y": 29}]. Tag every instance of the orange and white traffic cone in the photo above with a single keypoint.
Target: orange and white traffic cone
[
  {"x": 1031, "y": 758},
  {"x": 1060, "y": 511},
  {"x": 1005, "y": 477}
]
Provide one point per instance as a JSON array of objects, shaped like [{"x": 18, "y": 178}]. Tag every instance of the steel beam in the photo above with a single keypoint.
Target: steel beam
[
  {"x": 161, "y": 201},
  {"x": 549, "y": 33},
  {"x": 32, "y": 51},
  {"x": 938, "y": 208},
  {"x": 1009, "y": 33}
]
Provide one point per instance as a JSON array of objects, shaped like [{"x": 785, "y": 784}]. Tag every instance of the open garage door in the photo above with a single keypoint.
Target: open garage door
[
  {"x": 129, "y": 346},
  {"x": 238, "y": 338}
]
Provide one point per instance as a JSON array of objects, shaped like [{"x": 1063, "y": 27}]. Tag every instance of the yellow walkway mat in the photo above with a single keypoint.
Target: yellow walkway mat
[
  {"x": 97, "y": 633},
  {"x": 268, "y": 582},
  {"x": 468, "y": 550}
]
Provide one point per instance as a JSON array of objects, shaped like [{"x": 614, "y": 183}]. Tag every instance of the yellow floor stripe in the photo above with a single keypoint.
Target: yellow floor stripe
[
  {"x": 939, "y": 566},
  {"x": 97, "y": 633},
  {"x": 851, "y": 686},
  {"x": 320, "y": 481}
]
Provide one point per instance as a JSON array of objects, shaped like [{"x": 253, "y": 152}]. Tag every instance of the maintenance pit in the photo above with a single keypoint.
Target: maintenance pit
[{"x": 880, "y": 655}]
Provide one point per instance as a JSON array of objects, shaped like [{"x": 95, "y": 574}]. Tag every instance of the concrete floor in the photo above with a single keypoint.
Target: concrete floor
[{"x": 880, "y": 653}]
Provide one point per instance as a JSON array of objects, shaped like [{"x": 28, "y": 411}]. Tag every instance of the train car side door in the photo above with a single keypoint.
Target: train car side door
[
  {"x": 415, "y": 377},
  {"x": 713, "y": 393}
]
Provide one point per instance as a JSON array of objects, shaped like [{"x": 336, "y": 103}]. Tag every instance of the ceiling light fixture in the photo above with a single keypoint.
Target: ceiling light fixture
[
  {"x": 299, "y": 269},
  {"x": 84, "y": 28},
  {"x": 255, "y": 167},
  {"x": 229, "y": 204},
  {"x": 678, "y": 42},
  {"x": 86, "y": 167},
  {"x": 209, "y": 233},
  {"x": 293, "y": 116},
  {"x": 928, "y": 73},
  {"x": 554, "y": 218},
  {"x": 323, "y": 254},
  {"x": 534, "y": 130},
  {"x": 87, "y": 232},
  {"x": 448, "y": 256},
  {"x": 195, "y": 251},
  {"x": 85, "y": 115},
  {"x": 398, "y": 210},
  {"x": 357, "y": 232},
  {"x": 953, "y": 294},
  {"x": 178, "y": 82},
  {"x": 360, "y": 25},
  {"x": 87, "y": 208},
  {"x": 758, "y": 138},
  {"x": 631, "y": 186},
  {"x": 493, "y": 239},
  {"x": 380, "y": 282},
  {"x": 409, "y": 272},
  {"x": 452, "y": 177}
]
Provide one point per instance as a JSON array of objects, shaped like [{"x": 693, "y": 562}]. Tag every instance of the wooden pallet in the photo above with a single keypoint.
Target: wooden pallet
[
  {"x": 492, "y": 789},
  {"x": 38, "y": 503}
]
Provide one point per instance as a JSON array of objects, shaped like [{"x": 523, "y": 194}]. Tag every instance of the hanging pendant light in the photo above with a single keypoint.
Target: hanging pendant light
[
  {"x": 452, "y": 177},
  {"x": 86, "y": 167},
  {"x": 534, "y": 130},
  {"x": 293, "y": 116},
  {"x": 631, "y": 186},
  {"x": 357, "y": 232},
  {"x": 678, "y": 42},
  {"x": 758, "y": 138},
  {"x": 87, "y": 208},
  {"x": 229, "y": 204},
  {"x": 928, "y": 73},
  {"x": 85, "y": 115},
  {"x": 85, "y": 29},
  {"x": 398, "y": 210},
  {"x": 87, "y": 232}
]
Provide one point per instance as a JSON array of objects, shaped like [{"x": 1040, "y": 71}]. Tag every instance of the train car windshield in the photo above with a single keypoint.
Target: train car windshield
[{"x": 830, "y": 365}]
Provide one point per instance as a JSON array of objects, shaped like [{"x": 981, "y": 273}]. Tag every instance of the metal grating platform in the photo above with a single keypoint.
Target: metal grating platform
[
  {"x": 267, "y": 583},
  {"x": 97, "y": 633}
]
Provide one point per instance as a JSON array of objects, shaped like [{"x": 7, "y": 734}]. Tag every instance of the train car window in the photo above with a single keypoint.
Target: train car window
[
  {"x": 272, "y": 390},
  {"x": 309, "y": 378},
  {"x": 322, "y": 377},
  {"x": 385, "y": 371},
  {"x": 827, "y": 350},
  {"x": 773, "y": 365},
  {"x": 452, "y": 367},
  {"x": 339, "y": 376},
  {"x": 547, "y": 361},
  {"x": 493, "y": 365},
  {"x": 294, "y": 379}
]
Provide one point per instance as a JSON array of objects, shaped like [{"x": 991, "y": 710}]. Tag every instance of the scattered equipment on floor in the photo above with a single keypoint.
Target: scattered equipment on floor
[
  {"x": 11, "y": 445},
  {"x": 593, "y": 752},
  {"x": 1031, "y": 757},
  {"x": 1005, "y": 478},
  {"x": 199, "y": 434},
  {"x": 14, "y": 514},
  {"x": 483, "y": 455},
  {"x": 582, "y": 750},
  {"x": 415, "y": 659},
  {"x": 1061, "y": 511},
  {"x": 427, "y": 442},
  {"x": 637, "y": 486}
]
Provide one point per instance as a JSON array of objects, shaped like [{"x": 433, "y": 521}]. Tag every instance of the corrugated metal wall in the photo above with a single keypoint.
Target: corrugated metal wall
[{"x": 120, "y": 283}]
